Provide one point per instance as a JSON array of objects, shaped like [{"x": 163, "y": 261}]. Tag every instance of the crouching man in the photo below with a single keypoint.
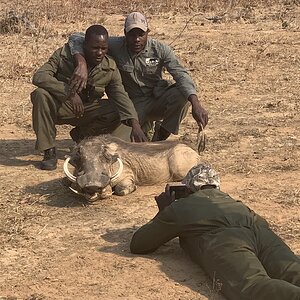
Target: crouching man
[
  {"x": 54, "y": 103},
  {"x": 227, "y": 239}
]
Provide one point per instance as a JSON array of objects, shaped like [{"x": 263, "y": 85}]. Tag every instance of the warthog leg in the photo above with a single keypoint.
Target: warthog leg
[{"x": 124, "y": 187}]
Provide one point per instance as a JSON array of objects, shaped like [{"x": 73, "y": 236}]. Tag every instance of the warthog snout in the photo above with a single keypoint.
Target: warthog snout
[{"x": 92, "y": 183}]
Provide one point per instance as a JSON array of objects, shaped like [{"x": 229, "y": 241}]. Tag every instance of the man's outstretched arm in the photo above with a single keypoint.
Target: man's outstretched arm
[
  {"x": 185, "y": 84},
  {"x": 161, "y": 229}
]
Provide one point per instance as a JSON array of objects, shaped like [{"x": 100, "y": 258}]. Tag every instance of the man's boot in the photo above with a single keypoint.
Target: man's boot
[
  {"x": 160, "y": 134},
  {"x": 76, "y": 136},
  {"x": 50, "y": 161}
]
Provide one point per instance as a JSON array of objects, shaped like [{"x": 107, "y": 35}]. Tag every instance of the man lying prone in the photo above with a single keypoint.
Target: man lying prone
[{"x": 228, "y": 240}]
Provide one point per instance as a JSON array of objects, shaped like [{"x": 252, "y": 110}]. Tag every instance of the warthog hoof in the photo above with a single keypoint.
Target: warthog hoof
[{"x": 121, "y": 190}]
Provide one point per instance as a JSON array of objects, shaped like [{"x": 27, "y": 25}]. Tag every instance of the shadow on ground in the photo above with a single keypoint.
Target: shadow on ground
[
  {"x": 173, "y": 261},
  {"x": 56, "y": 193},
  {"x": 21, "y": 152}
]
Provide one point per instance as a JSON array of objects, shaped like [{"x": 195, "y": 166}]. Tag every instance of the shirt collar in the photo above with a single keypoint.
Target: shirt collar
[{"x": 103, "y": 66}]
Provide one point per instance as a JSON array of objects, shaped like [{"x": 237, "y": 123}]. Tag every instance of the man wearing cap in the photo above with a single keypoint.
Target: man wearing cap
[
  {"x": 54, "y": 102},
  {"x": 141, "y": 60},
  {"x": 234, "y": 245}
]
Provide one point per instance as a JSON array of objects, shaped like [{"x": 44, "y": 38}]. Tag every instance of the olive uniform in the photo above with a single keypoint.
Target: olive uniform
[
  {"x": 154, "y": 98},
  {"x": 230, "y": 242},
  {"x": 51, "y": 105}
]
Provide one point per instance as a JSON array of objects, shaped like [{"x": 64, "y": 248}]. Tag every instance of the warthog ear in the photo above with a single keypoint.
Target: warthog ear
[{"x": 110, "y": 151}]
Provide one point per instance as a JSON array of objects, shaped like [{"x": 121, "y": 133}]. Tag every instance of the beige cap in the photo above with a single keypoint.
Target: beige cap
[{"x": 136, "y": 20}]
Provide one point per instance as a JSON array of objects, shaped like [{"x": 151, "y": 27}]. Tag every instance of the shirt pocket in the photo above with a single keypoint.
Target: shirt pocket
[
  {"x": 151, "y": 65},
  {"x": 148, "y": 70}
]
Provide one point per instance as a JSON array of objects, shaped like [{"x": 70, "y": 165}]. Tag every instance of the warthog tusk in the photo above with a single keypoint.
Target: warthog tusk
[
  {"x": 75, "y": 191},
  {"x": 86, "y": 196},
  {"x": 70, "y": 176},
  {"x": 119, "y": 172}
]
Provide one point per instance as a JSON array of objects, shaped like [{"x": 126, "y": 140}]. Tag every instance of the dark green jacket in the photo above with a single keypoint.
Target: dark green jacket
[
  {"x": 54, "y": 77},
  {"x": 191, "y": 217}
]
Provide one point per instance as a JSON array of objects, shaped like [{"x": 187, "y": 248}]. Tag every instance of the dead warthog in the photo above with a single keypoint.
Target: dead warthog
[{"x": 106, "y": 164}]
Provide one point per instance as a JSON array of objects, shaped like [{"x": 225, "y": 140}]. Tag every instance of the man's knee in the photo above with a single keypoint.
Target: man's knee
[
  {"x": 176, "y": 97},
  {"x": 38, "y": 95}
]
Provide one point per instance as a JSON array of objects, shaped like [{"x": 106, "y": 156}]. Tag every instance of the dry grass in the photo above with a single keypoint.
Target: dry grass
[
  {"x": 28, "y": 15},
  {"x": 44, "y": 20},
  {"x": 244, "y": 58}
]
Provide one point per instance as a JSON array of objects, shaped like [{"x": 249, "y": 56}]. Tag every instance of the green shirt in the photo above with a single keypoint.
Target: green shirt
[
  {"x": 191, "y": 217},
  {"x": 142, "y": 74},
  {"x": 55, "y": 74}
]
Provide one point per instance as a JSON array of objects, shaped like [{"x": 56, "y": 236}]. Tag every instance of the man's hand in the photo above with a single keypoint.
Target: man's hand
[
  {"x": 165, "y": 198},
  {"x": 198, "y": 112},
  {"x": 137, "y": 135},
  {"x": 78, "y": 80},
  {"x": 77, "y": 104}
]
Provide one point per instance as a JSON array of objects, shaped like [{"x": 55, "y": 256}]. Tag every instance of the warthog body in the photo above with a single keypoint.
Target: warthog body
[{"x": 105, "y": 163}]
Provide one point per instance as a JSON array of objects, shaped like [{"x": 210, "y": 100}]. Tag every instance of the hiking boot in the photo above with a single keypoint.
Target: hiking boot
[
  {"x": 75, "y": 135},
  {"x": 160, "y": 134},
  {"x": 50, "y": 161}
]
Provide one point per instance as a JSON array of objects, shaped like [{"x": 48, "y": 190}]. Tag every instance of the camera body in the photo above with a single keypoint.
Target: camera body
[{"x": 180, "y": 189}]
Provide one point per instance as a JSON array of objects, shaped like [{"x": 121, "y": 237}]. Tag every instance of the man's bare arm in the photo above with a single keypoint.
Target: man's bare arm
[
  {"x": 78, "y": 80},
  {"x": 198, "y": 111}
]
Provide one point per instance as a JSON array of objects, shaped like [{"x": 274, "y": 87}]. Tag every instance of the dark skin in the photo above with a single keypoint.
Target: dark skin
[
  {"x": 136, "y": 40},
  {"x": 78, "y": 80},
  {"x": 137, "y": 134},
  {"x": 165, "y": 198},
  {"x": 95, "y": 48}
]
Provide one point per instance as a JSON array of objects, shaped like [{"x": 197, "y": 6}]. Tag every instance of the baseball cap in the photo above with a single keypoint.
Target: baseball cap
[
  {"x": 135, "y": 20},
  {"x": 200, "y": 175}
]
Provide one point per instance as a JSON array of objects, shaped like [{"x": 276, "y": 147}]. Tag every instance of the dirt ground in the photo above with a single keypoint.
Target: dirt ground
[{"x": 246, "y": 67}]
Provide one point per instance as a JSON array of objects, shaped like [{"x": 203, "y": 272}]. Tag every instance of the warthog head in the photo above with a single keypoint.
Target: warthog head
[{"x": 97, "y": 165}]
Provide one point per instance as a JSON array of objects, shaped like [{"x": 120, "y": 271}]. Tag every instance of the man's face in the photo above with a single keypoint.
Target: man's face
[
  {"x": 136, "y": 40},
  {"x": 95, "y": 48}
]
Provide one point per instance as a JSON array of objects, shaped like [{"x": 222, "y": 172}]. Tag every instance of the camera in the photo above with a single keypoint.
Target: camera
[{"x": 180, "y": 189}]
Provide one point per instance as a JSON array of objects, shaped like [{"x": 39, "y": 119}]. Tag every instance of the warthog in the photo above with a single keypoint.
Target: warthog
[{"x": 105, "y": 164}]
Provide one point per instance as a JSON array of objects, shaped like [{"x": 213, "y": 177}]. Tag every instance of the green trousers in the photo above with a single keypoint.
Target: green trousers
[
  {"x": 99, "y": 117},
  {"x": 170, "y": 106},
  {"x": 248, "y": 263}
]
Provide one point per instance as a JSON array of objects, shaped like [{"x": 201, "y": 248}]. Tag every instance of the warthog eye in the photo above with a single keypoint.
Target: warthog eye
[{"x": 75, "y": 161}]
